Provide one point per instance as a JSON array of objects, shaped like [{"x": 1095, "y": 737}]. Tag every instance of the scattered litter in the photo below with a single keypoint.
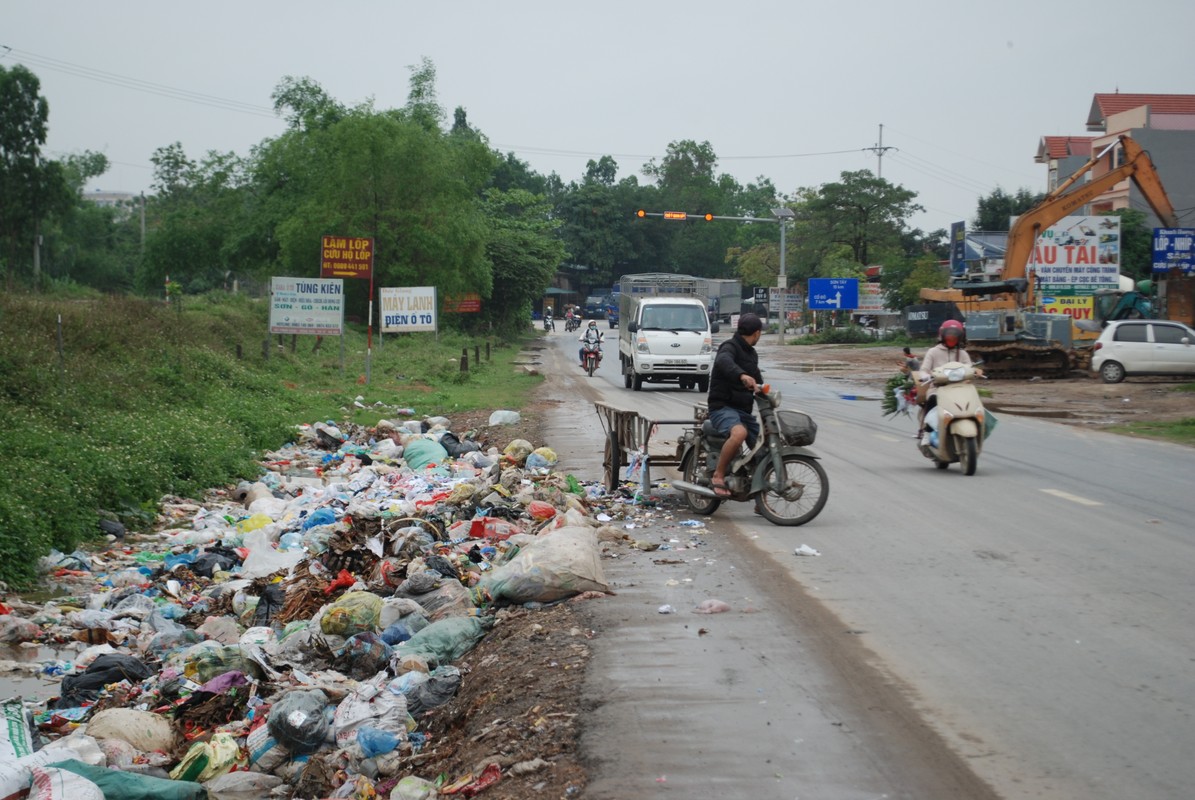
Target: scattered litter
[
  {"x": 806, "y": 550},
  {"x": 712, "y": 606},
  {"x": 667, "y": 609}
]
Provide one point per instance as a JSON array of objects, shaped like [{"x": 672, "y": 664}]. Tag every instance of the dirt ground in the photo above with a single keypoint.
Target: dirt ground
[
  {"x": 520, "y": 702},
  {"x": 1081, "y": 400}
]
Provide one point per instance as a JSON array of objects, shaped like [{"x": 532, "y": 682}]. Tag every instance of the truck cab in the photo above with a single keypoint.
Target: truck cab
[{"x": 665, "y": 339}]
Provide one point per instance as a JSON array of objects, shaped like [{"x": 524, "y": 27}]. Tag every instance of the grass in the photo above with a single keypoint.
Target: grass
[
  {"x": 142, "y": 400},
  {"x": 1179, "y": 431}
]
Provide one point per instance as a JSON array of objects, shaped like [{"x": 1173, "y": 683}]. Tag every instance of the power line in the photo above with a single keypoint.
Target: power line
[
  {"x": 961, "y": 155},
  {"x": 138, "y": 85}
]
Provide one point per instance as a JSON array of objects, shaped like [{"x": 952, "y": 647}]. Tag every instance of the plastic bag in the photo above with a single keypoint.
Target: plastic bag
[
  {"x": 450, "y": 599},
  {"x": 419, "y": 453},
  {"x": 354, "y": 612},
  {"x": 440, "y": 687},
  {"x": 210, "y": 759},
  {"x": 518, "y": 450},
  {"x": 364, "y": 655},
  {"x": 144, "y": 730},
  {"x": 558, "y": 565},
  {"x": 297, "y": 720},
  {"x": 542, "y": 458},
  {"x": 374, "y": 742},
  {"x": 989, "y": 423},
  {"x": 446, "y": 640},
  {"x": 504, "y": 417}
]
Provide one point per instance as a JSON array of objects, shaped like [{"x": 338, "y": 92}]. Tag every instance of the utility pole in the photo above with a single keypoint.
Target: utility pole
[{"x": 879, "y": 150}]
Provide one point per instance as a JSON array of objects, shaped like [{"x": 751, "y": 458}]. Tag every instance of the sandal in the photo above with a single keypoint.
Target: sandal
[{"x": 720, "y": 488}]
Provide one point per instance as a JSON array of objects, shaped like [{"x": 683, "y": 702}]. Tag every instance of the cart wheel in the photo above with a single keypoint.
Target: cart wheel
[{"x": 611, "y": 463}]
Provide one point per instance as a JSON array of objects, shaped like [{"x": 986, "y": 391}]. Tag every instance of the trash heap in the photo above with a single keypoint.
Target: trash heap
[{"x": 288, "y": 636}]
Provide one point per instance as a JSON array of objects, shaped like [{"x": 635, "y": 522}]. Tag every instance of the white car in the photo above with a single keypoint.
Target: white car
[{"x": 1144, "y": 347}]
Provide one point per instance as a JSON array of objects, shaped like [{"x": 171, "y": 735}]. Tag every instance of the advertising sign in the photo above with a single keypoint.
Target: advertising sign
[
  {"x": 871, "y": 299},
  {"x": 1174, "y": 248},
  {"x": 783, "y": 302},
  {"x": 346, "y": 257},
  {"x": 958, "y": 248},
  {"x": 467, "y": 303},
  {"x": 1078, "y": 255},
  {"x": 408, "y": 309},
  {"x": 833, "y": 293},
  {"x": 307, "y": 305}
]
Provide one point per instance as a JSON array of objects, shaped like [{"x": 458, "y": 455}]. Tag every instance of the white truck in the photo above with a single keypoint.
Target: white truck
[
  {"x": 664, "y": 331},
  {"x": 724, "y": 297}
]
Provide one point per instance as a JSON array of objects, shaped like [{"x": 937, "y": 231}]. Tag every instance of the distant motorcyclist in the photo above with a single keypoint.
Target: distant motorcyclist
[
  {"x": 591, "y": 336},
  {"x": 548, "y": 324}
]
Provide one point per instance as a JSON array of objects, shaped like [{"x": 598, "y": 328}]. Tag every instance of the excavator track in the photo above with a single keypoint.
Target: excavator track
[{"x": 1021, "y": 359}]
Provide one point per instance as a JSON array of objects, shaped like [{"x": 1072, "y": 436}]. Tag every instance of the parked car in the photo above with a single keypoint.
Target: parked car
[{"x": 1130, "y": 347}]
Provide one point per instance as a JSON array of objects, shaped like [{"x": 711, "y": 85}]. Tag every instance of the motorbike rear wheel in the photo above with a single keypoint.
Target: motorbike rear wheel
[
  {"x": 968, "y": 453},
  {"x": 808, "y": 481},
  {"x": 689, "y": 468}
]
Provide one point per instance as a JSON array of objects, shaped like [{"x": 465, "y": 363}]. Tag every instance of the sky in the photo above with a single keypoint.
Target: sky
[{"x": 793, "y": 91}]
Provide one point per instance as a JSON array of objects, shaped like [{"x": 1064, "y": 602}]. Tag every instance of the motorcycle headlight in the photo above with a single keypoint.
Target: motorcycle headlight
[{"x": 956, "y": 374}]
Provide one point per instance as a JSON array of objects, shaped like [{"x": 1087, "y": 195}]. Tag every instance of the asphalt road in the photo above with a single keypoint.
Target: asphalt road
[{"x": 1023, "y": 633}]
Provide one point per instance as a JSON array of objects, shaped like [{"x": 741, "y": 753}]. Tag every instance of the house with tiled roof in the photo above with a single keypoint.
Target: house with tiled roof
[
  {"x": 1163, "y": 124},
  {"x": 1063, "y": 155}
]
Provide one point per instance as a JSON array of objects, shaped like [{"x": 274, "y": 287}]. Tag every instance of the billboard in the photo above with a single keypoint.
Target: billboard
[
  {"x": 1078, "y": 255},
  {"x": 346, "y": 257},
  {"x": 307, "y": 305},
  {"x": 1174, "y": 248},
  {"x": 408, "y": 309}
]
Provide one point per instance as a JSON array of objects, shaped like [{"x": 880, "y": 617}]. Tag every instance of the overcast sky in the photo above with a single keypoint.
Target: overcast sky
[{"x": 964, "y": 90}]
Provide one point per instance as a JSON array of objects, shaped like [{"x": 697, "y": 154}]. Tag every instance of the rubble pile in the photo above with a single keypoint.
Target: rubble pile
[{"x": 292, "y": 636}]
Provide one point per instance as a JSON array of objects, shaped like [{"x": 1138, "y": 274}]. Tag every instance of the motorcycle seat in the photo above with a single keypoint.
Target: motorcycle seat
[{"x": 711, "y": 434}]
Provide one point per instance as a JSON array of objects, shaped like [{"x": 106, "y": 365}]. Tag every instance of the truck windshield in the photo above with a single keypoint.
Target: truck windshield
[{"x": 674, "y": 318}]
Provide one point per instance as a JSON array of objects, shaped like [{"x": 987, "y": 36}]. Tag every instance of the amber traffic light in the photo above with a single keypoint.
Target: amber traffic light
[{"x": 641, "y": 213}]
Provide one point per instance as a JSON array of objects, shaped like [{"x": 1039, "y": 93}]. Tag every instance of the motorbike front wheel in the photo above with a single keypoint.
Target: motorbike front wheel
[
  {"x": 689, "y": 468},
  {"x": 968, "y": 453},
  {"x": 809, "y": 488},
  {"x": 590, "y": 365}
]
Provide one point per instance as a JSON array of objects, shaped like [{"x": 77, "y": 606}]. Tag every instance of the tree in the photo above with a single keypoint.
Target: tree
[
  {"x": 305, "y": 104},
  {"x": 863, "y": 212},
  {"x": 30, "y": 188},
  {"x": 523, "y": 254},
  {"x": 996, "y": 209}
]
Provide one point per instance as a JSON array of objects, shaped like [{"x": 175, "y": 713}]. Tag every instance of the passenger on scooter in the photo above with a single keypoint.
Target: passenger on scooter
[
  {"x": 732, "y": 395},
  {"x": 592, "y": 335},
  {"x": 952, "y": 338}
]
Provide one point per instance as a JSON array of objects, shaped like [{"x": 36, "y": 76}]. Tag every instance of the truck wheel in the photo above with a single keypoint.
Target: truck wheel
[
  {"x": 703, "y": 385},
  {"x": 626, "y": 375},
  {"x": 636, "y": 382}
]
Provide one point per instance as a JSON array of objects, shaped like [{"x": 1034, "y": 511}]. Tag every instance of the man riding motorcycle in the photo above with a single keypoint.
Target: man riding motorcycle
[{"x": 591, "y": 336}]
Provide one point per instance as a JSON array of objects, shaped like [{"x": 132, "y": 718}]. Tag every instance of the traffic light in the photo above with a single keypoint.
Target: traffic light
[
  {"x": 641, "y": 213},
  {"x": 675, "y": 215},
  {"x": 709, "y": 217}
]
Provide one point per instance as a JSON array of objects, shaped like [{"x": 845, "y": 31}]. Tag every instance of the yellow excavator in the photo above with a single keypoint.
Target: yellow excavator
[{"x": 1004, "y": 328}]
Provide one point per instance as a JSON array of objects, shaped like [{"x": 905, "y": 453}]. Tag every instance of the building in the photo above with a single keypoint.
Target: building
[{"x": 1163, "y": 124}]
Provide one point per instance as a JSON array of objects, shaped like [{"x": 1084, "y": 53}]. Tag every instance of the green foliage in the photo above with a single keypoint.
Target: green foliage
[
  {"x": 146, "y": 401},
  {"x": 996, "y": 209}
]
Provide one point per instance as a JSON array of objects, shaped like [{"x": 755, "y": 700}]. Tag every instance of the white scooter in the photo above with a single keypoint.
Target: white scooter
[{"x": 954, "y": 427}]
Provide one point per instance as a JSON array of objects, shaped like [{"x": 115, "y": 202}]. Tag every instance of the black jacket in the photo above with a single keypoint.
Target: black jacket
[{"x": 734, "y": 358}]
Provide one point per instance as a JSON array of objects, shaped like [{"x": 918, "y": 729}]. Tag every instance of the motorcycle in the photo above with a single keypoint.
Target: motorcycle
[
  {"x": 591, "y": 356},
  {"x": 572, "y": 323},
  {"x": 549, "y": 323},
  {"x": 785, "y": 478},
  {"x": 956, "y": 426}
]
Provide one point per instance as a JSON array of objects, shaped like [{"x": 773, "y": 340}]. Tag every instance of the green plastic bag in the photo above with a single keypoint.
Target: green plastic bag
[{"x": 989, "y": 423}]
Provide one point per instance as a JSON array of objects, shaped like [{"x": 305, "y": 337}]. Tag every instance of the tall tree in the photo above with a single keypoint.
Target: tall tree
[
  {"x": 995, "y": 210},
  {"x": 863, "y": 212},
  {"x": 30, "y": 188}
]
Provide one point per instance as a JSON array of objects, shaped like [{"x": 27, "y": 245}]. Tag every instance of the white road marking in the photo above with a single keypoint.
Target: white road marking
[{"x": 1074, "y": 498}]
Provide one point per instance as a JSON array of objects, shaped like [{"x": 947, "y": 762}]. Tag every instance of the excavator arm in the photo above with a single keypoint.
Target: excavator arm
[{"x": 1137, "y": 165}]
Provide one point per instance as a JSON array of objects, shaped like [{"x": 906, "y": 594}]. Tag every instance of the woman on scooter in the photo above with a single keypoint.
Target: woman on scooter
[
  {"x": 952, "y": 338},
  {"x": 732, "y": 394}
]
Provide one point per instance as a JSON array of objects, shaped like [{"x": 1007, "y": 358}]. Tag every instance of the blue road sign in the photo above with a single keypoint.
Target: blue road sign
[
  {"x": 1174, "y": 248},
  {"x": 833, "y": 294}
]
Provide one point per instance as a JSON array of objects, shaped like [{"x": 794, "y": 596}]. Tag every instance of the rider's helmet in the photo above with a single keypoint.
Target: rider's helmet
[
  {"x": 952, "y": 333},
  {"x": 548, "y": 311},
  {"x": 593, "y": 324}
]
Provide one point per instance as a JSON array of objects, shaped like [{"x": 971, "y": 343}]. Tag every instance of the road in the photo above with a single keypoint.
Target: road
[{"x": 1023, "y": 633}]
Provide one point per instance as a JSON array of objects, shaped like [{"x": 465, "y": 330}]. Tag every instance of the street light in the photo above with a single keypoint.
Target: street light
[{"x": 782, "y": 214}]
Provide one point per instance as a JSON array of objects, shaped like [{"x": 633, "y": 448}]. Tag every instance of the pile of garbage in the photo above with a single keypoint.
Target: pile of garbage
[{"x": 286, "y": 637}]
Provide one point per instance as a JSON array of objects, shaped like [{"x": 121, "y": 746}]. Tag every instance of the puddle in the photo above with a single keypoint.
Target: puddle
[{"x": 20, "y": 672}]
